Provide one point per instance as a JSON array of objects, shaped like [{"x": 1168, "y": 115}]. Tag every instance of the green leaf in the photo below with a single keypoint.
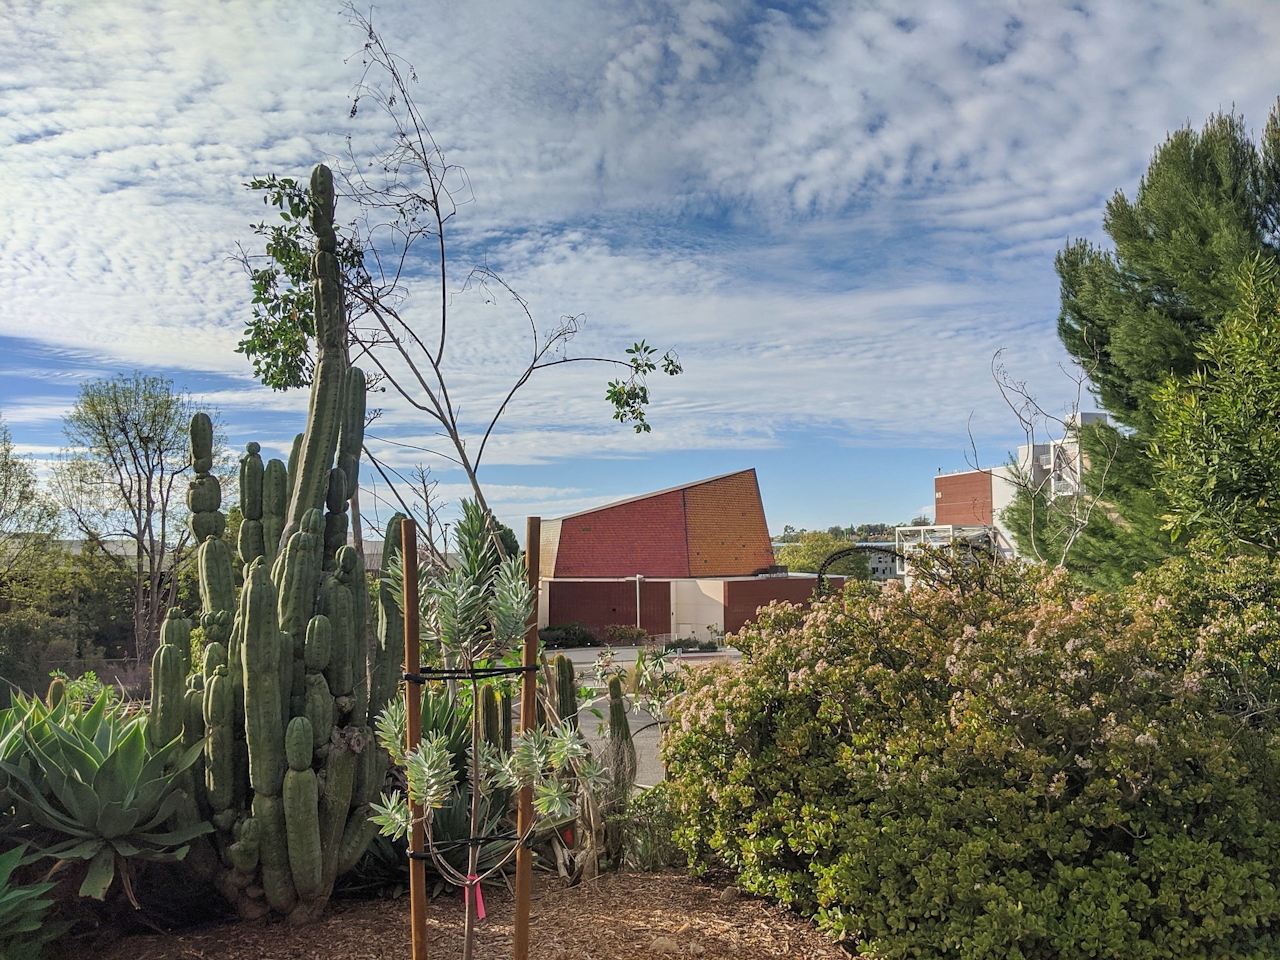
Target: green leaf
[{"x": 102, "y": 870}]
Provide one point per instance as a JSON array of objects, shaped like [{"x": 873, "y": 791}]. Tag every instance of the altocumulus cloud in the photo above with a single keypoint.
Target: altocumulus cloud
[{"x": 837, "y": 212}]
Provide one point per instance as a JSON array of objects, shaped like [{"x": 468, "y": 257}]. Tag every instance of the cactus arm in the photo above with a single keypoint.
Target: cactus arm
[
  {"x": 275, "y": 505},
  {"x": 351, "y": 435},
  {"x": 168, "y": 696},
  {"x": 273, "y": 852},
  {"x": 302, "y": 812},
  {"x": 264, "y": 731},
  {"x": 340, "y": 772},
  {"x": 566, "y": 690},
  {"x": 251, "y": 477}
]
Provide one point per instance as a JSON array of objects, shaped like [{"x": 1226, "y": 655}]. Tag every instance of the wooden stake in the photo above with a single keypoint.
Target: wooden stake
[
  {"x": 413, "y": 710},
  {"x": 528, "y": 720}
]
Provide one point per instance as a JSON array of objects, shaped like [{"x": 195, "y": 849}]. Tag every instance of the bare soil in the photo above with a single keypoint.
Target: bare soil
[{"x": 615, "y": 917}]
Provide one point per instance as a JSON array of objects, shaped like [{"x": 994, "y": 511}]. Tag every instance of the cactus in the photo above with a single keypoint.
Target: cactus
[
  {"x": 622, "y": 749},
  {"x": 275, "y": 504},
  {"x": 168, "y": 682},
  {"x": 566, "y": 690},
  {"x": 302, "y": 812},
  {"x": 288, "y": 689},
  {"x": 490, "y": 724},
  {"x": 504, "y": 718},
  {"x": 204, "y": 494}
]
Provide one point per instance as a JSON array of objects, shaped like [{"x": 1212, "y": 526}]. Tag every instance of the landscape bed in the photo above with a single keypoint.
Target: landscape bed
[{"x": 615, "y": 917}]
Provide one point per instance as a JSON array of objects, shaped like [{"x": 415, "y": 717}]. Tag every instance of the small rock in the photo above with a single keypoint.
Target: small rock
[
  {"x": 664, "y": 945},
  {"x": 696, "y": 949},
  {"x": 729, "y": 894}
]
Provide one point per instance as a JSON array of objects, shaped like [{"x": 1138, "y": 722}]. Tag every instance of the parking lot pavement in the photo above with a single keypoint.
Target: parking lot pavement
[{"x": 644, "y": 729}]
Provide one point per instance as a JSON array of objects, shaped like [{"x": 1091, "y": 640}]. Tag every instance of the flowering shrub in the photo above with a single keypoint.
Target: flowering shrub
[{"x": 999, "y": 764}]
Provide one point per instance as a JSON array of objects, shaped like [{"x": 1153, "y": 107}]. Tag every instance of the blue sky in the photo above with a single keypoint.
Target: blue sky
[{"x": 836, "y": 213}]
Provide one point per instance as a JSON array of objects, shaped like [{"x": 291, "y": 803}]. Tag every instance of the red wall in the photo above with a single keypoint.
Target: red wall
[
  {"x": 743, "y": 597},
  {"x": 643, "y": 536},
  {"x": 963, "y": 499},
  {"x": 597, "y": 603}
]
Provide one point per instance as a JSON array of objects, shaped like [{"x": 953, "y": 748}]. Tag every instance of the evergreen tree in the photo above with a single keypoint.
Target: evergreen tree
[
  {"x": 1218, "y": 430},
  {"x": 1209, "y": 201},
  {"x": 1133, "y": 317}
]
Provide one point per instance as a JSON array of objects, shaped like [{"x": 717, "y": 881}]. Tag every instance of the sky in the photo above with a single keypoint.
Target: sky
[{"x": 837, "y": 215}]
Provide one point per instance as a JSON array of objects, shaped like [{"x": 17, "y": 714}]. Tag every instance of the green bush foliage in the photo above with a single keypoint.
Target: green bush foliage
[
  {"x": 624, "y": 635},
  {"x": 999, "y": 764},
  {"x": 564, "y": 635},
  {"x": 648, "y": 827}
]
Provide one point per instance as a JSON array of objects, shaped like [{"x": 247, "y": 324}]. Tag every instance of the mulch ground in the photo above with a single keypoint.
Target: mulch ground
[{"x": 616, "y": 917}]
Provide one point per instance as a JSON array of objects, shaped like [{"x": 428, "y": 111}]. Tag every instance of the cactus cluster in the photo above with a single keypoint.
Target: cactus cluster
[{"x": 291, "y": 680}]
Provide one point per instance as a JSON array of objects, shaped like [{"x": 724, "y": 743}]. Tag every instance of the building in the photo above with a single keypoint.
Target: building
[
  {"x": 689, "y": 561},
  {"x": 977, "y": 498}
]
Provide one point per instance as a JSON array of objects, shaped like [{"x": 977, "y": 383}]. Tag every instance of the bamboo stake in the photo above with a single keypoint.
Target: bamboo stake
[
  {"x": 528, "y": 719},
  {"x": 413, "y": 710}
]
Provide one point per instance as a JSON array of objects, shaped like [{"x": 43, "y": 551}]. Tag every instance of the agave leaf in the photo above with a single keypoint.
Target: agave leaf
[
  {"x": 9, "y": 862},
  {"x": 45, "y": 812},
  {"x": 74, "y": 849},
  {"x": 194, "y": 752},
  {"x": 102, "y": 870},
  {"x": 90, "y": 723},
  {"x": 79, "y": 800},
  {"x": 166, "y": 809},
  {"x": 116, "y": 820},
  {"x": 181, "y": 835},
  {"x": 114, "y": 780},
  {"x": 165, "y": 856},
  {"x": 147, "y": 795},
  {"x": 73, "y": 756},
  {"x": 154, "y": 768}
]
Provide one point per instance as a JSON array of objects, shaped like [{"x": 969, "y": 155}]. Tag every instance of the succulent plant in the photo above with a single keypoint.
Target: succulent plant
[
  {"x": 98, "y": 779},
  {"x": 566, "y": 690},
  {"x": 24, "y": 931},
  {"x": 292, "y": 679}
]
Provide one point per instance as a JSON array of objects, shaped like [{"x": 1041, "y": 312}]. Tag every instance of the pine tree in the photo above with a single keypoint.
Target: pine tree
[{"x": 1133, "y": 317}]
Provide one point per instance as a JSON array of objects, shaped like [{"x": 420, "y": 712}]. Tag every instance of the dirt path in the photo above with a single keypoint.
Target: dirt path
[{"x": 617, "y": 917}]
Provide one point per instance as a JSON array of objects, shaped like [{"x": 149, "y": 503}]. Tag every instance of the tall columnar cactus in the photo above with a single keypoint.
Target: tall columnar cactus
[
  {"x": 566, "y": 690},
  {"x": 204, "y": 493},
  {"x": 291, "y": 681}
]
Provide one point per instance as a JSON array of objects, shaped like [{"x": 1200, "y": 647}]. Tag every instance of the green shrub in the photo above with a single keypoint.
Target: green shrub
[
  {"x": 648, "y": 828},
  {"x": 691, "y": 645},
  {"x": 998, "y": 764},
  {"x": 624, "y": 635},
  {"x": 565, "y": 635}
]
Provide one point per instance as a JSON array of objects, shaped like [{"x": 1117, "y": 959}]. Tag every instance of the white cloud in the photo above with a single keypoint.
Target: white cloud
[{"x": 836, "y": 214}]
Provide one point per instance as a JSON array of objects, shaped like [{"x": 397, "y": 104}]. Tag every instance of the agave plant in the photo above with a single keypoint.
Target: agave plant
[
  {"x": 92, "y": 778},
  {"x": 23, "y": 928}
]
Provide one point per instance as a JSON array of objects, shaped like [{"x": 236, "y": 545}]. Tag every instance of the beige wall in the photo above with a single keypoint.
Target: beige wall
[{"x": 696, "y": 604}]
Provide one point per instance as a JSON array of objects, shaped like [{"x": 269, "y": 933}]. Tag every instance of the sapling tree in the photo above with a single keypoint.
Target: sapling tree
[
  {"x": 398, "y": 276},
  {"x": 474, "y": 616}
]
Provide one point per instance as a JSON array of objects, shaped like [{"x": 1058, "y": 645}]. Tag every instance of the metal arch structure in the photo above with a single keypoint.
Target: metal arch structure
[{"x": 843, "y": 552}]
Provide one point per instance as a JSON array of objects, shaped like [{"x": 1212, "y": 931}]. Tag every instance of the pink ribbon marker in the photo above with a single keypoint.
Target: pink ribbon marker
[{"x": 474, "y": 881}]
